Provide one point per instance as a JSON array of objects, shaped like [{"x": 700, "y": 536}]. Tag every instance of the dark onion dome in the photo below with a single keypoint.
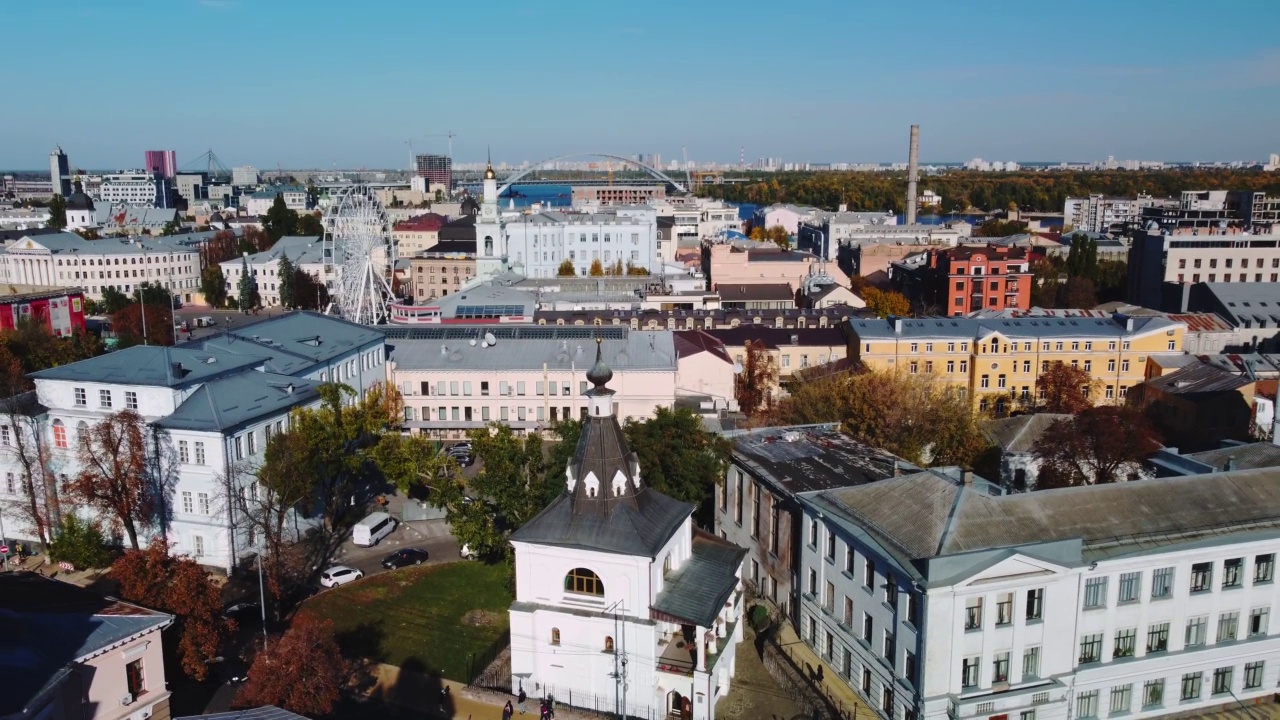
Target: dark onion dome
[
  {"x": 216, "y": 218},
  {"x": 600, "y": 374},
  {"x": 78, "y": 200}
]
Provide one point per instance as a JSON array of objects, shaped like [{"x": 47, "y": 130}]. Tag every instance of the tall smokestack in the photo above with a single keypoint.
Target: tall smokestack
[{"x": 913, "y": 174}]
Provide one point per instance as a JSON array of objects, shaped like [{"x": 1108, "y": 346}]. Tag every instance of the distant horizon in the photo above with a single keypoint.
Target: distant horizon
[{"x": 321, "y": 83}]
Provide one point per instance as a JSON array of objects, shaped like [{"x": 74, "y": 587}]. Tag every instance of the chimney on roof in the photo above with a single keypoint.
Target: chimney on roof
[
  {"x": 897, "y": 325},
  {"x": 1231, "y": 464},
  {"x": 966, "y": 478}
]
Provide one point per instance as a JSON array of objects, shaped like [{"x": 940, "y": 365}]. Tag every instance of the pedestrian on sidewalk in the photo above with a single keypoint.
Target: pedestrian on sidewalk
[
  {"x": 520, "y": 700},
  {"x": 508, "y": 711},
  {"x": 444, "y": 699}
]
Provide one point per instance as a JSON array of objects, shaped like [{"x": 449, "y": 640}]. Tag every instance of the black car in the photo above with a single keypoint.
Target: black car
[
  {"x": 246, "y": 608},
  {"x": 406, "y": 556}
]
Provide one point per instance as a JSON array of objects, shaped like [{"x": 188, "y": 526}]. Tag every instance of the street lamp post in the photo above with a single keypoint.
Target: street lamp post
[{"x": 262, "y": 594}]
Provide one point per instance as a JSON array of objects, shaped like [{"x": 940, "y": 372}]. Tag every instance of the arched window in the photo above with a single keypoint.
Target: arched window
[
  {"x": 488, "y": 246},
  {"x": 583, "y": 582},
  {"x": 555, "y": 636},
  {"x": 82, "y": 432},
  {"x": 608, "y": 643},
  {"x": 59, "y": 434}
]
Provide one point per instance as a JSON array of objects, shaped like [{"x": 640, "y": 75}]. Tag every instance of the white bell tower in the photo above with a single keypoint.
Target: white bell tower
[{"x": 490, "y": 233}]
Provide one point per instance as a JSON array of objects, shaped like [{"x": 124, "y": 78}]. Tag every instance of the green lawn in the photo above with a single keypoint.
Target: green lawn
[{"x": 436, "y": 620}]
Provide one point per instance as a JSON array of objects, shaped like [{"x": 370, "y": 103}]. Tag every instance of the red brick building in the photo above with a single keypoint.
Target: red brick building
[
  {"x": 982, "y": 278},
  {"x": 57, "y": 308}
]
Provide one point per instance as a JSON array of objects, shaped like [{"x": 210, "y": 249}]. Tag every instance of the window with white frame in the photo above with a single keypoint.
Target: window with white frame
[
  {"x": 104, "y": 398},
  {"x": 1031, "y": 662},
  {"x": 1228, "y": 626},
  {"x": 199, "y": 447},
  {"x": 130, "y": 400},
  {"x": 969, "y": 672},
  {"x": 1130, "y": 587},
  {"x": 1087, "y": 704},
  {"x": 1197, "y": 631},
  {"x": 1264, "y": 568},
  {"x": 203, "y": 500},
  {"x": 1162, "y": 583},
  {"x": 1121, "y": 698},
  {"x": 1258, "y": 621},
  {"x": 1095, "y": 593},
  {"x": 183, "y": 454},
  {"x": 188, "y": 506}
]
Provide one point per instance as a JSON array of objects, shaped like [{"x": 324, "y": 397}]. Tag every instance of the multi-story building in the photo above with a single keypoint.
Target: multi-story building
[
  {"x": 1259, "y": 210},
  {"x": 437, "y": 169},
  {"x": 161, "y": 162},
  {"x": 1219, "y": 210},
  {"x": 418, "y": 233},
  {"x": 1100, "y": 213},
  {"x": 76, "y": 655},
  {"x": 787, "y": 215},
  {"x": 59, "y": 172},
  {"x": 139, "y": 189},
  {"x": 244, "y": 175},
  {"x": 696, "y": 319},
  {"x": 454, "y": 379},
  {"x": 1161, "y": 267},
  {"x": 210, "y": 408},
  {"x": 998, "y": 362},
  {"x": 59, "y": 309},
  {"x": 756, "y": 506},
  {"x": 965, "y": 279},
  {"x": 444, "y": 269},
  {"x": 295, "y": 198},
  {"x": 68, "y": 260},
  {"x": 789, "y": 350},
  {"x": 935, "y": 596},
  {"x": 305, "y": 253},
  {"x": 825, "y": 232},
  {"x": 618, "y": 194},
  {"x": 754, "y": 263}
]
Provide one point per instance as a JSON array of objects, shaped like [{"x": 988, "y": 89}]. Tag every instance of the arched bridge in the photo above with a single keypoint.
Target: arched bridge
[{"x": 658, "y": 174}]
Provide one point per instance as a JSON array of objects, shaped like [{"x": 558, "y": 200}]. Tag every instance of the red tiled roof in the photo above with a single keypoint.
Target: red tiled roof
[
  {"x": 422, "y": 223},
  {"x": 1202, "y": 322}
]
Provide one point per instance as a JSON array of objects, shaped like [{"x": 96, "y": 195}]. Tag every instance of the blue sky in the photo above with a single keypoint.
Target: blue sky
[{"x": 314, "y": 83}]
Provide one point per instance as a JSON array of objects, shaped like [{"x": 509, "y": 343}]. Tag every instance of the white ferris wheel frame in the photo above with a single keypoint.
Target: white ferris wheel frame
[{"x": 359, "y": 255}]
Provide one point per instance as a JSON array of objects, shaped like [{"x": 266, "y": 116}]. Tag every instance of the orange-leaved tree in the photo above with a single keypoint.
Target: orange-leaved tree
[
  {"x": 113, "y": 478},
  {"x": 301, "y": 671}
]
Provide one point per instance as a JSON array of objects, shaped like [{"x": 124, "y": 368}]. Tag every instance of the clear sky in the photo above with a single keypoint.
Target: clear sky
[{"x": 314, "y": 83}]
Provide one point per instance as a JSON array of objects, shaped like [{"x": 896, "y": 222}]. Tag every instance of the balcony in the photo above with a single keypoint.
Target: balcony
[
  {"x": 677, "y": 653},
  {"x": 1001, "y": 699}
]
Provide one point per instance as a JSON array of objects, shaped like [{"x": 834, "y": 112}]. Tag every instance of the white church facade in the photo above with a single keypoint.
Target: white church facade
[{"x": 621, "y": 603}]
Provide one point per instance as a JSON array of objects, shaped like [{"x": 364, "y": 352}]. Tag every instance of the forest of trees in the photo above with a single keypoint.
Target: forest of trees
[{"x": 1043, "y": 191}]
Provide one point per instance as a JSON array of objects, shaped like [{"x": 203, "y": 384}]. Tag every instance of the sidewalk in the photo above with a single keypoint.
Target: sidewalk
[
  {"x": 842, "y": 695},
  {"x": 421, "y": 693}
]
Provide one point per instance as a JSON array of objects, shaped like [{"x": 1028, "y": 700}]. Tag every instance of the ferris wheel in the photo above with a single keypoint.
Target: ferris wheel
[{"x": 359, "y": 255}]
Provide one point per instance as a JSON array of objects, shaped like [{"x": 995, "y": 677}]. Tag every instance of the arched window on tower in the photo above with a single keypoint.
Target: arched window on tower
[
  {"x": 488, "y": 246},
  {"x": 59, "y": 434},
  {"x": 583, "y": 582},
  {"x": 555, "y": 636},
  {"x": 608, "y": 643}
]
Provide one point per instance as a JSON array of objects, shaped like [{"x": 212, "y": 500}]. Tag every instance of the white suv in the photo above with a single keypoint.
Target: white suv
[{"x": 339, "y": 575}]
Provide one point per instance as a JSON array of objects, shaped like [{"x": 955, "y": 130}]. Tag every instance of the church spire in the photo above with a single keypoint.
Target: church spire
[
  {"x": 603, "y": 468},
  {"x": 489, "y": 174}
]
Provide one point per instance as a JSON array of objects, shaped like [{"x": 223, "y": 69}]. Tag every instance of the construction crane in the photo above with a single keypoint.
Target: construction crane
[{"x": 447, "y": 134}]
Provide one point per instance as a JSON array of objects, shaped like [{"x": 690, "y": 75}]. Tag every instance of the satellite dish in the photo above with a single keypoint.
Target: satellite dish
[
  {"x": 490, "y": 339},
  {"x": 737, "y": 368},
  {"x": 473, "y": 342}
]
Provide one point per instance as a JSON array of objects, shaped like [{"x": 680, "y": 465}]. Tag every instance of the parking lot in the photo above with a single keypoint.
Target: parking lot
[{"x": 223, "y": 319}]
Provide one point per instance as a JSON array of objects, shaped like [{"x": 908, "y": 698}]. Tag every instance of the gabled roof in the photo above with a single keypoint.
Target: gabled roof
[
  {"x": 692, "y": 342},
  {"x": 266, "y": 712},
  {"x": 1198, "y": 378},
  {"x": 928, "y": 515},
  {"x": 734, "y": 292},
  {"x": 230, "y": 403},
  {"x": 49, "y": 625},
  {"x": 697, "y": 590},
  {"x": 1021, "y": 433},
  {"x": 153, "y": 365},
  {"x": 300, "y": 250}
]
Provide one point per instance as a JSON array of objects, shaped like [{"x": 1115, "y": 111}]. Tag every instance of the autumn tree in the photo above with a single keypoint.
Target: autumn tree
[
  {"x": 286, "y": 484},
  {"x": 19, "y": 413},
  {"x": 180, "y": 586},
  {"x": 754, "y": 383},
  {"x": 566, "y": 269},
  {"x": 776, "y": 234},
  {"x": 213, "y": 285},
  {"x": 37, "y": 348},
  {"x": 301, "y": 671},
  {"x": 1066, "y": 388},
  {"x": 1099, "y": 445},
  {"x": 597, "y": 268},
  {"x": 916, "y": 417},
  {"x": 128, "y": 324},
  {"x": 112, "y": 455},
  {"x": 679, "y": 457},
  {"x": 886, "y": 303},
  {"x": 223, "y": 246}
]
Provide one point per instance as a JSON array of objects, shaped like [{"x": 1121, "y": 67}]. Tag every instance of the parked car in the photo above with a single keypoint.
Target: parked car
[
  {"x": 339, "y": 575},
  {"x": 205, "y": 321},
  {"x": 246, "y": 608},
  {"x": 463, "y": 459},
  {"x": 467, "y": 553},
  {"x": 370, "y": 531},
  {"x": 461, "y": 444},
  {"x": 405, "y": 556}
]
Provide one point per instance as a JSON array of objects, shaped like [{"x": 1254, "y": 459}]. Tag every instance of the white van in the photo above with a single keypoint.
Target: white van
[{"x": 369, "y": 531}]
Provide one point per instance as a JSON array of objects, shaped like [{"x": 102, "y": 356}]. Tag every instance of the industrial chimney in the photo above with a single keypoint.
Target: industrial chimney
[{"x": 913, "y": 173}]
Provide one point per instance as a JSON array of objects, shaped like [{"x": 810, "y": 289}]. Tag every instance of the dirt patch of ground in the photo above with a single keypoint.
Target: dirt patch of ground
[
  {"x": 753, "y": 693},
  {"x": 480, "y": 618}
]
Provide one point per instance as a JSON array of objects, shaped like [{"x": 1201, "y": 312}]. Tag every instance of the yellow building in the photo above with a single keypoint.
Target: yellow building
[{"x": 998, "y": 361}]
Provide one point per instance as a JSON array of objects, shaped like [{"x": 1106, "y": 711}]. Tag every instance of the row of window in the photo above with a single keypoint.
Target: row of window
[
  {"x": 1196, "y": 635},
  {"x": 189, "y": 506},
  {"x": 1033, "y": 609},
  {"x": 1096, "y": 593},
  {"x": 1007, "y": 348},
  {"x": 75, "y": 262},
  {"x": 826, "y": 647},
  {"x": 106, "y": 274},
  {"x": 1213, "y": 263},
  {"x": 551, "y": 240},
  {"x": 1153, "y": 691},
  {"x": 886, "y": 591},
  {"x": 105, "y": 398},
  {"x": 468, "y": 413},
  {"x": 520, "y": 387}
]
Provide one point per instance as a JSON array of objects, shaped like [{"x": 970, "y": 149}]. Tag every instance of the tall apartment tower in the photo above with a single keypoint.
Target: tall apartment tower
[
  {"x": 60, "y": 172},
  {"x": 913, "y": 173},
  {"x": 437, "y": 169},
  {"x": 164, "y": 162}
]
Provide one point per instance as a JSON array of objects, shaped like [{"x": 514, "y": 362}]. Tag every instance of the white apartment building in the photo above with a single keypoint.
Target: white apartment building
[
  {"x": 211, "y": 408},
  {"x": 535, "y": 244},
  {"x": 138, "y": 189},
  {"x": 693, "y": 220},
  {"x": 295, "y": 198},
  {"x": 304, "y": 252},
  {"x": 936, "y": 597},
  {"x": 453, "y": 380},
  {"x": 67, "y": 259},
  {"x": 1100, "y": 213},
  {"x": 243, "y": 175},
  {"x": 784, "y": 214}
]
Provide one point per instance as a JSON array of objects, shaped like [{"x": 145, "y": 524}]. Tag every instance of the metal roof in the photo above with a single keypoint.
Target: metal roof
[
  {"x": 230, "y": 403},
  {"x": 802, "y": 458},
  {"x": 698, "y": 589},
  {"x": 154, "y": 366},
  {"x": 1034, "y": 327},
  {"x": 1198, "y": 379},
  {"x": 1248, "y": 456},
  {"x": 266, "y": 712},
  {"x": 639, "y": 529},
  {"x": 502, "y": 332},
  {"x": 1021, "y": 433},
  {"x": 634, "y": 350}
]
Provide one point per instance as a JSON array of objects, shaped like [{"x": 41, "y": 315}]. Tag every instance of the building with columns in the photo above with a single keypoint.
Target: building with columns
[
  {"x": 621, "y": 603},
  {"x": 69, "y": 260}
]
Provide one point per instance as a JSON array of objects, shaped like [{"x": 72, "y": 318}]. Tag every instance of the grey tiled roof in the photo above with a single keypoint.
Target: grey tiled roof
[
  {"x": 266, "y": 712},
  {"x": 639, "y": 530},
  {"x": 153, "y": 365},
  {"x": 637, "y": 350},
  {"x": 927, "y": 515},
  {"x": 1019, "y": 434},
  {"x": 1198, "y": 379},
  {"x": 230, "y": 403},
  {"x": 50, "y": 624},
  {"x": 1245, "y": 457},
  {"x": 805, "y": 458},
  {"x": 697, "y": 590},
  {"x": 69, "y": 242},
  {"x": 971, "y": 328},
  {"x": 299, "y": 249}
]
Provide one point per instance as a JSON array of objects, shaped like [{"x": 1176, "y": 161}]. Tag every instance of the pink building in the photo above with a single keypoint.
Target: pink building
[
  {"x": 75, "y": 655},
  {"x": 728, "y": 265},
  {"x": 164, "y": 162}
]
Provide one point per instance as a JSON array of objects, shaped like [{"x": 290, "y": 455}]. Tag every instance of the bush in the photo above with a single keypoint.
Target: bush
[
  {"x": 82, "y": 544},
  {"x": 758, "y": 616}
]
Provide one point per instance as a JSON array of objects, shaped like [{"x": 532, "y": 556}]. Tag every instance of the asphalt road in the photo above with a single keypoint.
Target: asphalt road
[
  {"x": 430, "y": 535},
  {"x": 235, "y": 318}
]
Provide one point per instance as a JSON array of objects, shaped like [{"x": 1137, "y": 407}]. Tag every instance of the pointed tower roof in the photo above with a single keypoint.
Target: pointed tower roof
[
  {"x": 489, "y": 174},
  {"x": 607, "y": 505}
]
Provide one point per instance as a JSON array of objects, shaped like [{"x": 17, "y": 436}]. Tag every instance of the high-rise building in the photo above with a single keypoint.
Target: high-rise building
[
  {"x": 244, "y": 175},
  {"x": 59, "y": 172},
  {"x": 437, "y": 169},
  {"x": 164, "y": 162}
]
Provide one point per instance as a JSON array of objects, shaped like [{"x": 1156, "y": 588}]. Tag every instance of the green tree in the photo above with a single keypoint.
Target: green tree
[
  {"x": 280, "y": 220},
  {"x": 213, "y": 286},
  {"x": 57, "y": 213},
  {"x": 81, "y": 543},
  {"x": 310, "y": 225},
  {"x": 151, "y": 293},
  {"x": 113, "y": 301},
  {"x": 410, "y": 461},
  {"x": 247, "y": 291},
  {"x": 679, "y": 457},
  {"x": 288, "y": 275},
  {"x": 286, "y": 485},
  {"x": 173, "y": 227},
  {"x": 566, "y": 269}
]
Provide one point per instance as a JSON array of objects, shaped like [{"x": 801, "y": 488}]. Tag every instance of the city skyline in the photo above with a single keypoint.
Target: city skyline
[{"x": 818, "y": 83}]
